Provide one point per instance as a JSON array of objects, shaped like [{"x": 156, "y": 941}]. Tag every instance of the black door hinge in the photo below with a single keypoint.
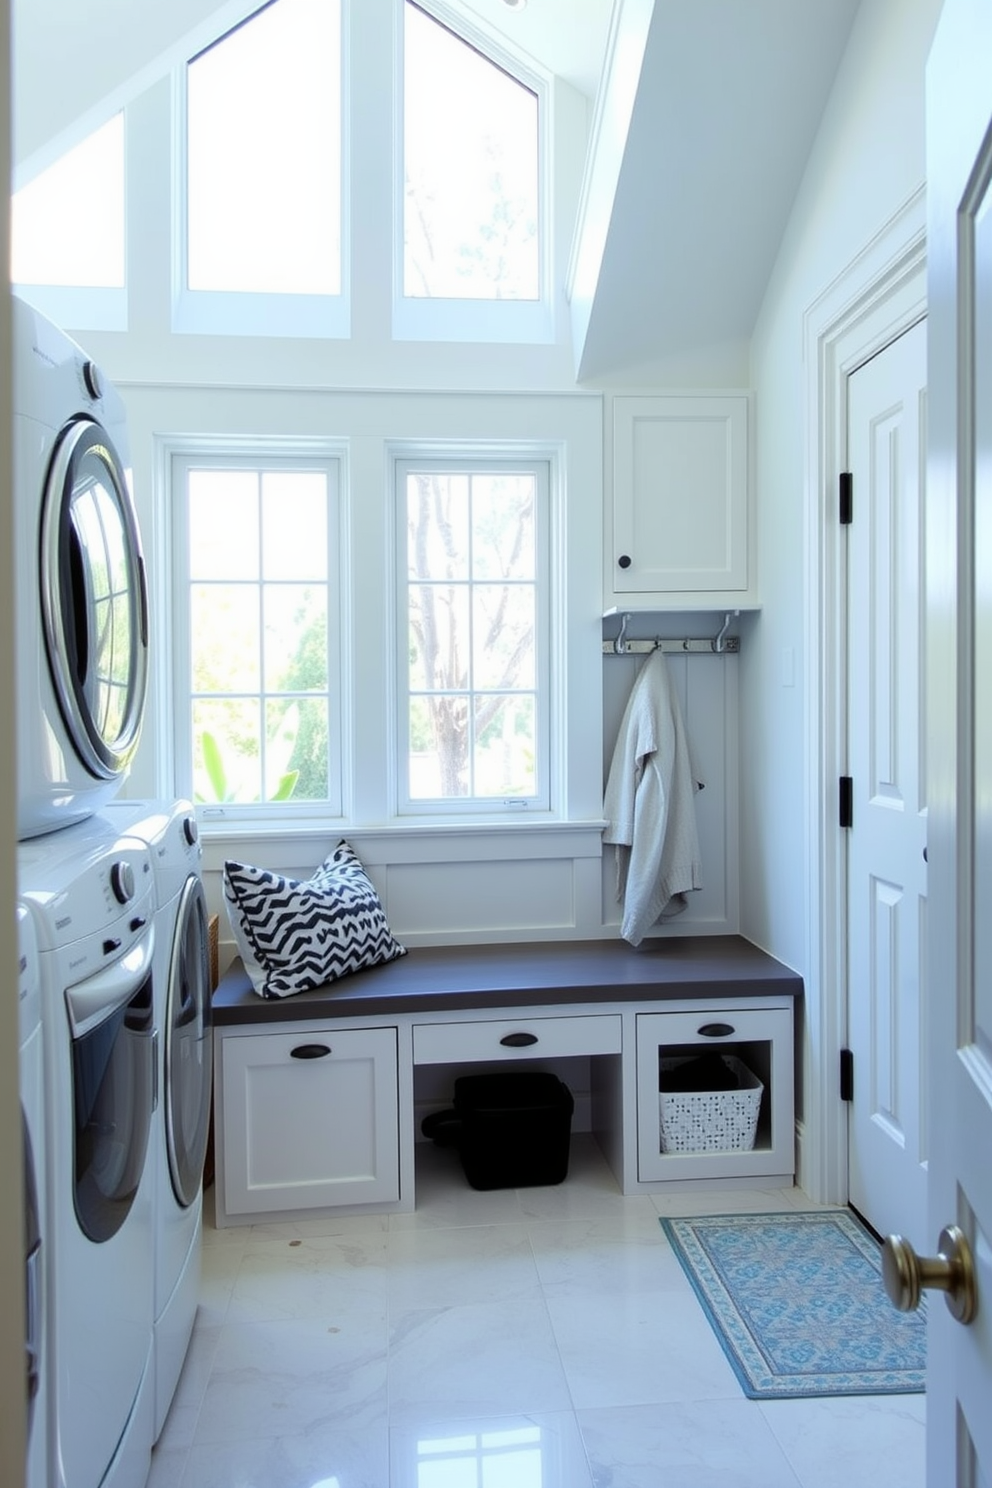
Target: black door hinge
[
  {"x": 845, "y": 497},
  {"x": 845, "y": 801},
  {"x": 847, "y": 1074}
]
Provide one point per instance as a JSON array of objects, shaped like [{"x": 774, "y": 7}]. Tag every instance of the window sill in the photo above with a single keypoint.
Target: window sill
[{"x": 408, "y": 841}]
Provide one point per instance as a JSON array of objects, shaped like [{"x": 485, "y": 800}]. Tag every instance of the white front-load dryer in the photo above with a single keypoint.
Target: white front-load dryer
[
  {"x": 32, "y": 1081},
  {"x": 90, "y": 893},
  {"x": 181, "y": 1125},
  {"x": 82, "y": 606}
]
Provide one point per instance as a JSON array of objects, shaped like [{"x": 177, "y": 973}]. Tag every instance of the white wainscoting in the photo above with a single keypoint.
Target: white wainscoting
[{"x": 441, "y": 887}]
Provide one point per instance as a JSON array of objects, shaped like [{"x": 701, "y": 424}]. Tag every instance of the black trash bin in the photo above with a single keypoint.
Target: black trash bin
[{"x": 512, "y": 1130}]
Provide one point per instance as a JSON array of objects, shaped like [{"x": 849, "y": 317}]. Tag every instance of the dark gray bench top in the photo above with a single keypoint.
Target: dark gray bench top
[{"x": 450, "y": 979}]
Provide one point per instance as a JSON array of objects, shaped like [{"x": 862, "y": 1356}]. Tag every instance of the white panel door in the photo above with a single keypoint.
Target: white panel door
[
  {"x": 959, "y": 648},
  {"x": 887, "y": 872}
]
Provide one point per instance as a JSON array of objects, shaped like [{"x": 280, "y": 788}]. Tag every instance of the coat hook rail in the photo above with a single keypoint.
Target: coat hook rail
[{"x": 721, "y": 643}]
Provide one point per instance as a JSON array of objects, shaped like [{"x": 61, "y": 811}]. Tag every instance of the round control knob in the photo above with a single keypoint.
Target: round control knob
[
  {"x": 92, "y": 379},
  {"x": 624, "y": 560},
  {"x": 122, "y": 881},
  {"x": 190, "y": 832}
]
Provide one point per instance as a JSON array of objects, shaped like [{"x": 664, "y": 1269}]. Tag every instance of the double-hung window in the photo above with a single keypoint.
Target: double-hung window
[
  {"x": 257, "y": 675},
  {"x": 473, "y": 710}
]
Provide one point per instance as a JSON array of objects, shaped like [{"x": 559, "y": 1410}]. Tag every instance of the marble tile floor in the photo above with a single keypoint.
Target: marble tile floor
[{"x": 528, "y": 1338}]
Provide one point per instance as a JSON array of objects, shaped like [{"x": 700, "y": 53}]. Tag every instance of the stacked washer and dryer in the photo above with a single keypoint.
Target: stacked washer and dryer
[{"x": 116, "y": 1070}]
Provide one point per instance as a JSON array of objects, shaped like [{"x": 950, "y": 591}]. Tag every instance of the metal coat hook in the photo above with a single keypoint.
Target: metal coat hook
[
  {"x": 718, "y": 644},
  {"x": 620, "y": 644},
  {"x": 721, "y": 643}
]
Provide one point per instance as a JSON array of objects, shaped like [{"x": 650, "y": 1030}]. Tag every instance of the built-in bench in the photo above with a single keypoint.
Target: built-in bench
[{"x": 316, "y": 1093}]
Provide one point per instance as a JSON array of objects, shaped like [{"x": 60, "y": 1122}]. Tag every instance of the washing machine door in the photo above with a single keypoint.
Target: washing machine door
[
  {"x": 188, "y": 1046},
  {"x": 93, "y": 597},
  {"x": 111, "y": 1022}
]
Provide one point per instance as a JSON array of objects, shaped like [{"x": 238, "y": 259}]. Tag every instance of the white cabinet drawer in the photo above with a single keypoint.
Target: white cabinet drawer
[
  {"x": 516, "y": 1038},
  {"x": 708, "y": 1028}
]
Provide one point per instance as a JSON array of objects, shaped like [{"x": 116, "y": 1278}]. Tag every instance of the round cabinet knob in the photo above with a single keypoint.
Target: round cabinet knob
[
  {"x": 92, "y": 379},
  {"x": 122, "y": 881},
  {"x": 951, "y": 1271},
  {"x": 624, "y": 560}
]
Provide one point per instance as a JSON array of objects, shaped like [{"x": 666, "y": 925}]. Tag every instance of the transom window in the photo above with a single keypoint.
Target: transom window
[
  {"x": 67, "y": 233},
  {"x": 473, "y": 706},
  {"x": 263, "y": 152},
  {"x": 472, "y": 252},
  {"x": 256, "y": 548},
  {"x": 470, "y": 143}
]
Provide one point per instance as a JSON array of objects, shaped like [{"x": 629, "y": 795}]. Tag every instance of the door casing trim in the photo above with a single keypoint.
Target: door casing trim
[{"x": 880, "y": 294}]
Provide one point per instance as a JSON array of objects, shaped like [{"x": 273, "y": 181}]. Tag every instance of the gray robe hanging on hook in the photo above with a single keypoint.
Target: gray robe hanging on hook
[{"x": 649, "y": 804}]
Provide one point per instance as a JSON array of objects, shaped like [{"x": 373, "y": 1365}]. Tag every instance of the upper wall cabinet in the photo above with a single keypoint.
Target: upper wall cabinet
[{"x": 679, "y": 534}]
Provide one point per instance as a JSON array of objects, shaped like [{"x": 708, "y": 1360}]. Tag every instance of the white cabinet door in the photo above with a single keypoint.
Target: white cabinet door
[
  {"x": 761, "y": 1039},
  {"x": 680, "y": 500},
  {"x": 310, "y": 1119}
]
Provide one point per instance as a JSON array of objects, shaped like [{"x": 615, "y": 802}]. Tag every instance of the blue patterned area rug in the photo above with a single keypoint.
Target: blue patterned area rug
[{"x": 797, "y": 1302}]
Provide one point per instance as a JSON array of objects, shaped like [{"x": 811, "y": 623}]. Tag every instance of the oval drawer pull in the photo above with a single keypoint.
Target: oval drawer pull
[
  {"x": 716, "y": 1030},
  {"x": 518, "y": 1040},
  {"x": 310, "y": 1051}
]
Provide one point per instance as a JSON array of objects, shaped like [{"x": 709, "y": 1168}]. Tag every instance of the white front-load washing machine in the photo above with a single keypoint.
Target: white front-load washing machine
[
  {"x": 35, "y": 1227},
  {"x": 90, "y": 893},
  {"x": 82, "y": 606},
  {"x": 182, "y": 1123}
]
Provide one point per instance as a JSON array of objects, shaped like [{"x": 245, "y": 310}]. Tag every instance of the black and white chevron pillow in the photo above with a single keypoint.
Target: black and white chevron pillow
[{"x": 293, "y": 936}]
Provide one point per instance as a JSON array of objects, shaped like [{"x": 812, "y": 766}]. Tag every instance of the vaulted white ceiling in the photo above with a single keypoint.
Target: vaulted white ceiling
[
  {"x": 703, "y": 130},
  {"x": 708, "y": 116},
  {"x": 71, "y": 56}
]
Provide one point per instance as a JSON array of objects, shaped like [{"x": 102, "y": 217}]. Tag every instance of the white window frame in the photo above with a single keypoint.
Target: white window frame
[
  {"x": 200, "y": 454},
  {"x": 237, "y": 313},
  {"x": 527, "y": 322},
  {"x": 484, "y": 457}
]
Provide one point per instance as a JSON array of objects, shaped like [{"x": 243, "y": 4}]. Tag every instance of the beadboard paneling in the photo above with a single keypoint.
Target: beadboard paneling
[{"x": 707, "y": 687}]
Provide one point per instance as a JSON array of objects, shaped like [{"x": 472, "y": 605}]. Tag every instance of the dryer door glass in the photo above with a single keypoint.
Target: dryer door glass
[
  {"x": 113, "y": 1076},
  {"x": 188, "y": 1046},
  {"x": 93, "y": 597}
]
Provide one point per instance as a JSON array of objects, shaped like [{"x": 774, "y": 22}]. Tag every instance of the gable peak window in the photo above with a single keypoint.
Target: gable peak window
[
  {"x": 262, "y": 237},
  {"x": 68, "y": 237},
  {"x": 470, "y": 139},
  {"x": 472, "y": 246}
]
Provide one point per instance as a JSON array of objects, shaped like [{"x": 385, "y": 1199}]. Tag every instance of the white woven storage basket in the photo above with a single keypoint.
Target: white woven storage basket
[{"x": 710, "y": 1120}]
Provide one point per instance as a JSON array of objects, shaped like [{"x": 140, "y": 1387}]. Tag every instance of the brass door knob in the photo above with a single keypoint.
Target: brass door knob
[{"x": 951, "y": 1271}]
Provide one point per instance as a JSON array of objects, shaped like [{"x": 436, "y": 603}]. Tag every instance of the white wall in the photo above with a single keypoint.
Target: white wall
[{"x": 867, "y": 161}]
